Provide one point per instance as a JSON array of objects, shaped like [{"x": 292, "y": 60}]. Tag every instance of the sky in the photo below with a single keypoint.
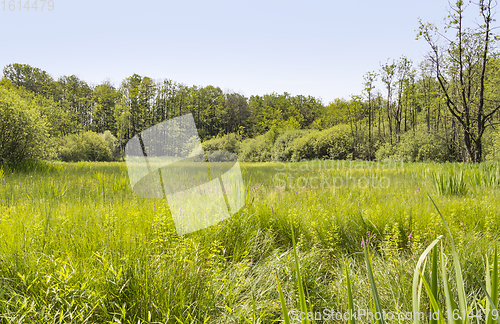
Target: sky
[{"x": 316, "y": 48}]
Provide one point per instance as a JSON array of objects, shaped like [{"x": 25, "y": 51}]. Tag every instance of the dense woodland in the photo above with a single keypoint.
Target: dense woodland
[{"x": 444, "y": 108}]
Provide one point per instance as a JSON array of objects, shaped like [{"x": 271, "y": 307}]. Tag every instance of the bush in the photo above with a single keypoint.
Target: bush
[
  {"x": 385, "y": 151},
  {"x": 304, "y": 148},
  {"x": 491, "y": 143},
  {"x": 113, "y": 143},
  {"x": 415, "y": 147},
  {"x": 332, "y": 143},
  {"x": 255, "y": 149},
  {"x": 23, "y": 130},
  {"x": 282, "y": 148},
  {"x": 228, "y": 143},
  {"x": 88, "y": 146}
]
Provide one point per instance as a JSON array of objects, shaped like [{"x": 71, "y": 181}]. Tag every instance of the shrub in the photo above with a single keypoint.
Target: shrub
[
  {"x": 332, "y": 143},
  {"x": 418, "y": 146},
  {"x": 113, "y": 143},
  {"x": 23, "y": 130},
  {"x": 220, "y": 156},
  {"x": 255, "y": 149},
  {"x": 385, "y": 151},
  {"x": 303, "y": 148},
  {"x": 228, "y": 143},
  {"x": 492, "y": 146},
  {"x": 88, "y": 146},
  {"x": 282, "y": 148}
]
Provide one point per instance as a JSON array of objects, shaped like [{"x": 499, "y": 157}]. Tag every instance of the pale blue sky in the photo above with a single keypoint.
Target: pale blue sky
[{"x": 318, "y": 48}]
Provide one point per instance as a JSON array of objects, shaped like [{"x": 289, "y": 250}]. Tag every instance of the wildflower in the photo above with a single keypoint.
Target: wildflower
[
  {"x": 359, "y": 202},
  {"x": 410, "y": 237},
  {"x": 368, "y": 239},
  {"x": 154, "y": 207},
  {"x": 3, "y": 180},
  {"x": 362, "y": 243},
  {"x": 272, "y": 211}
]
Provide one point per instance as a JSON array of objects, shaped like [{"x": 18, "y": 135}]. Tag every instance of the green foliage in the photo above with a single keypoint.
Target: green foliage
[
  {"x": 88, "y": 146},
  {"x": 31, "y": 78},
  {"x": 371, "y": 278},
  {"x": 228, "y": 143},
  {"x": 281, "y": 111},
  {"x": 113, "y": 143},
  {"x": 255, "y": 149},
  {"x": 282, "y": 148},
  {"x": 332, "y": 143},
  {"x": 221, "y": 147},
  {"x": 336, "y": 112},
  {"x": 300, "y": 286},
  {"x": 420, "y": 146},
  {"x": 105, "y": 97},
  {"x": 450, "y": 183},
  {"x": 385, "y": 151},
  {"x": 23, "y": 130},
  {"x": 391, "y": 241},
  {"x": 78, "y": 245},
  {"x": 492, "y": 146},
  {"x": 304, "y": 148}
]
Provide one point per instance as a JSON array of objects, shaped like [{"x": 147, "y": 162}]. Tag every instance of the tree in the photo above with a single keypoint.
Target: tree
[
  {"x": 23, "y": 130},
  {"x": 137, "y": 94},
  {"x": 238, "y": 111},
  {"x": 369, "y": 78},
  {"x": 403, "y": 76},
  {"x": 104, "y": 97},
  {"x": 32, "y": 78},
  {"x": 75, "y": 98},
  {"x": 462, "y": 67},
  {"x": 387, "y": 73}
]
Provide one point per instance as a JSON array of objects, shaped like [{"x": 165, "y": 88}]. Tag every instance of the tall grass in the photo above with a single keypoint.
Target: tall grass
[
  {"x": 76, "y": 246},
  {"x": 450, "y": 183}
]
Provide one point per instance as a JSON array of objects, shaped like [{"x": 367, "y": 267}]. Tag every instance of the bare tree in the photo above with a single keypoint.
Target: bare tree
[
  {"x": 370, "y": 78},
  {"x": 462, "y": 68}
]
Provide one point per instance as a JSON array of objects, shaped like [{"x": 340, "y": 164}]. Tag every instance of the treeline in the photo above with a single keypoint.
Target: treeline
[
  {"x": 445, "y": 108},
  {"x": 71, "y": 106},
  {"x": 140, "y": 102},
  {"x": 408, "y": 120}
]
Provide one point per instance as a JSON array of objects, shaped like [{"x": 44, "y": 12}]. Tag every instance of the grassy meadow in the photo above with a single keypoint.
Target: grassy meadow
[{"x": 77, "y": 246}]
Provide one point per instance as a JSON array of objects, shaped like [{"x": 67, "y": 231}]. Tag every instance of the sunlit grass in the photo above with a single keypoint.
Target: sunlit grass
[{"x": 77, "y": 246}]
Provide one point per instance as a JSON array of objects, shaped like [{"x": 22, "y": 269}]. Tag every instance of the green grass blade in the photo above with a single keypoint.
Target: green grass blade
[
  {"x": 434, "y": 303},
  {"x": 492, "y": 286},
  {"x": 458, "y": 269},
  {"x": 376, "y": 298},
  {"x": 488, "y": 297},
  {"x": 350, "y": 308},
  {"x": 494, "y": 280},
  {"x": 283, "y": 303},
  {"x": 489, "y": 320},
  {"x": 302, "y": 295},
  {"x": 417, "y": 282},
  {"x": 450, "y": 303},
  {"x": 434, "y": 277}
]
